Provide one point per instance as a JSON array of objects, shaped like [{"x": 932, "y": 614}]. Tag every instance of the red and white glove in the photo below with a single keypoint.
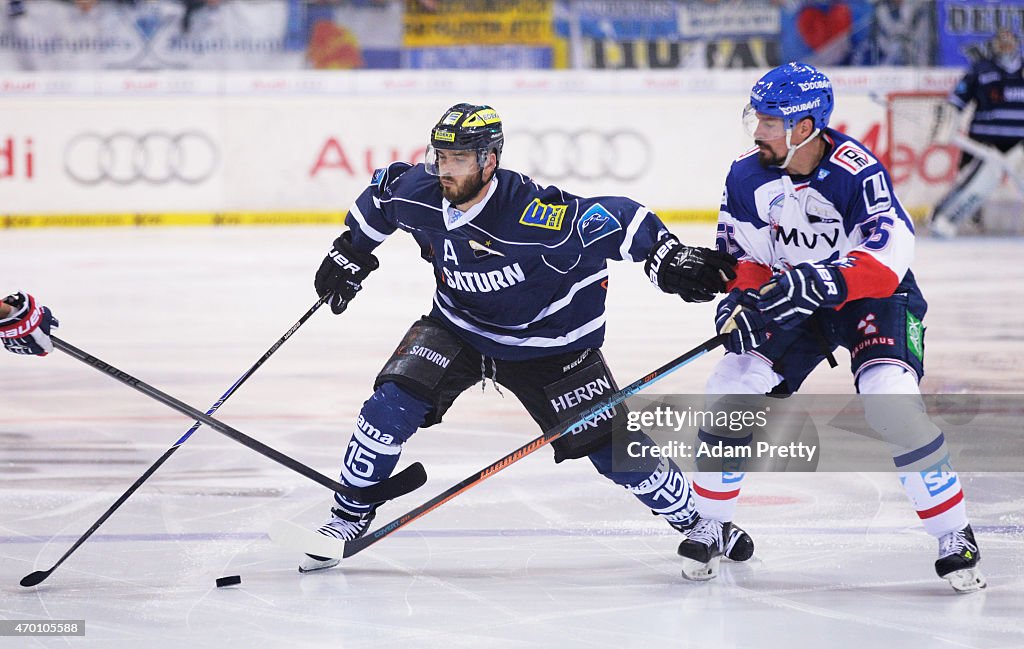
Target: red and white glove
[{"x": 26, "y": 330}]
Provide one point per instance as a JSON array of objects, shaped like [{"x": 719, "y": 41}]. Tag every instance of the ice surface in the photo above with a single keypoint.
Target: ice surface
[{"x": 537, "y": 556}]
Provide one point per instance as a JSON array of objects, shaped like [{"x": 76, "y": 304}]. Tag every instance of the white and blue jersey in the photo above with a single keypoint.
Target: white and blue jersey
[
  {"x": 846, "y": 213},
  {"x": 845, "y": 209},
  {"x": 523, "y": 273}
]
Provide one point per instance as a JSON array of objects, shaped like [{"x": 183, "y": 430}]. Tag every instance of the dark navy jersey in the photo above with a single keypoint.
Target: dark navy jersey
[
  {"x": 845, "y": 211},
  {"x": 522, "y": 274},
  {"x": 999, "y": 102}
]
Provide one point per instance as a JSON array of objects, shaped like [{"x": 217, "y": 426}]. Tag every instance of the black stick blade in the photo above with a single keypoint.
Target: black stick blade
[
  {"x": 35, "y": 578},
  {"x": 409, "y": 479}
]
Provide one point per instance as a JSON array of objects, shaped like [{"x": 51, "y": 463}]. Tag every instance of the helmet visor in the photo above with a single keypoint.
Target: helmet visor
[
  {"x": 454, "y": 162},
  {"x": 761, "y": 126}
]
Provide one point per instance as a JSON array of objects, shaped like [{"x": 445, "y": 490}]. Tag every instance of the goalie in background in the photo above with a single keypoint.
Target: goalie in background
[{"x": 995, "y": 86}]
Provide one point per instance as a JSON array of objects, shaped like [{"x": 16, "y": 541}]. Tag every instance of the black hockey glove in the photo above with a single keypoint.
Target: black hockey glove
[
  {"x": 791, "y": 297},
  {"x": 695, "y": 274},
  {"x": 27, "y": 329},
  {"x": 342, "y": 272},
  {"x": 738, "y": 316}
]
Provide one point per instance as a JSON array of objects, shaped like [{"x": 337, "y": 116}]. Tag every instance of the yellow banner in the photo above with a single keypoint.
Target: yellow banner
[
  {"x": 169, "y": 219},
  {"x": 479, "y": 22},
  {"x": 229, "y": 219}
]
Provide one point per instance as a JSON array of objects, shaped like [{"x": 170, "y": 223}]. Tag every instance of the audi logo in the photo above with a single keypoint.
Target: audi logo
[
  {"x": 587, "y": 154},
  {"x": 154, "y": 157}
]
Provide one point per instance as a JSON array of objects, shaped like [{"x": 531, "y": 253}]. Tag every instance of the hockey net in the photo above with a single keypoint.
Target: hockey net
[{"x": 922, "y": 161}]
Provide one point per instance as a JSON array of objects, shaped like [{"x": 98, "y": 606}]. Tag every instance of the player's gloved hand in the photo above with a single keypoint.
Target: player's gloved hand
[
  {"x": 738, "y": 316},
  {"x": 695, "y": 274},
  {"x": 342, "y": 272},
  {"x": 26, "y": 330},
  {"x": 791, "y": 297}
]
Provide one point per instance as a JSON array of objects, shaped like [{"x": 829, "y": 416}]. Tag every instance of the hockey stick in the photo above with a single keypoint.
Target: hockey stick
[
  {"x": 40, "y": 575},
  {"x": 290, "y": 535},
  {"x": 412, "y": 477}
]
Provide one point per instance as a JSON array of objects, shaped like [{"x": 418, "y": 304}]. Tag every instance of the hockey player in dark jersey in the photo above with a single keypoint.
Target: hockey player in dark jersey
[
  {"x": 995, "y": 85},
  {"x": 824, "y": 254},
  {"x": 521, "y": 273}
]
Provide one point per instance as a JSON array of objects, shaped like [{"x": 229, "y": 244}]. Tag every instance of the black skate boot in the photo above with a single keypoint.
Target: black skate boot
[
  {"x": 707, "y": 542},
  {"x": 342, "y": 525},
  {"x": 958, "y": 561}
]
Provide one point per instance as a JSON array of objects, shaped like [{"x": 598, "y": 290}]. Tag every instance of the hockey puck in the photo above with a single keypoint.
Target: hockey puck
[{"x": 233, "y": 580}]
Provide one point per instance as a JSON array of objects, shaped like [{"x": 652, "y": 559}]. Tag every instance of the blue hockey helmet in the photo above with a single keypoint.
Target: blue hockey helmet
[{"x": 793, "y": 92}]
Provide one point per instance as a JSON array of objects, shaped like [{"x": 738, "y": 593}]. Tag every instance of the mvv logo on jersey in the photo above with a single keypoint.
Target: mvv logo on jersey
[
  {"x": 543, "y": 215},
  {"x": 794, "y": 237}
]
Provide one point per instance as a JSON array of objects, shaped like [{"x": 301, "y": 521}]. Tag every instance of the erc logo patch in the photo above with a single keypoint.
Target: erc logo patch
[
  {"x": 543, "y": 215},
  {"x": 597, "y": 223}
]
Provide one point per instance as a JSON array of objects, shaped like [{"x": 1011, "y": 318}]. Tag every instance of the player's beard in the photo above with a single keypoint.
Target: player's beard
[
  {"x": 464, "y": 189},
  {"x": 767, "y": 156}
]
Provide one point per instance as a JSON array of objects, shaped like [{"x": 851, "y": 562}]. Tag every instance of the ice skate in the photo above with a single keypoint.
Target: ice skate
[
  {"x": 707, "y": 542},
  {"x": 958, "y": 561},
  {"x": 343, "y": 526}
]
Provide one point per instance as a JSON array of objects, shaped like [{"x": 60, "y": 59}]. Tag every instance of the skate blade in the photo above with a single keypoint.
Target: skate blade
[
  {"x": 697, "y": 571},
  {"x": 309, "y": 564},
  {"x": 967, "y": 580}
]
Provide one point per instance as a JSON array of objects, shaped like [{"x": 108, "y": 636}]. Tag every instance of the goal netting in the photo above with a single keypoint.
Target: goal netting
[{"x": 923, "y": 160}]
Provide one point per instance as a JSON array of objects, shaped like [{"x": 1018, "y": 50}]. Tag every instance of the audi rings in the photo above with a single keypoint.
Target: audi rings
[
  {"x": 588, "y": 154},
  {"x": 154, "y": 157}
]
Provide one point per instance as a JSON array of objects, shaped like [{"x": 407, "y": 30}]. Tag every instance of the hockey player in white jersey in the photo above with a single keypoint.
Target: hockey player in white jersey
[
  {"x": 824, "y": 251},
  {"x": 522, "y": 275}
]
